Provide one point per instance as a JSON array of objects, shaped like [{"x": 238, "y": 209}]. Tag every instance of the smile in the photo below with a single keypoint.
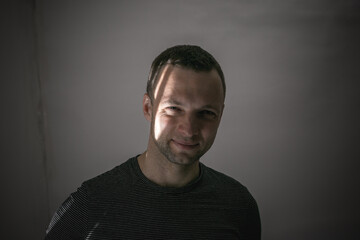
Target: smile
[{"x": 185, "y": 145}]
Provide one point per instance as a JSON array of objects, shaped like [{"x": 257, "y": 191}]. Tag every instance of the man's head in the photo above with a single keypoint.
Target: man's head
[
  {"x": 184, "y": 103},
  {"x": 187, "y": 56}
]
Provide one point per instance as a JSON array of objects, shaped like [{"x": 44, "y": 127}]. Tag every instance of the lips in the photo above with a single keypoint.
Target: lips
[{"x": 185, "y": 145}]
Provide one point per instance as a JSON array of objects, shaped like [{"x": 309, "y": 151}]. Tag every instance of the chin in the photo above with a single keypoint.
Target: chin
[
  {"x": 184, "y": 162},
  {"x": 183, "y": 159}
]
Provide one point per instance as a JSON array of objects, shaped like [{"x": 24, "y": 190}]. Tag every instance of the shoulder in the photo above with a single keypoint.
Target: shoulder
[
  {"x": 218, "y": 178},
  {"x": 235, "y": 196},
  {"x": 118, "y": 177},
  {"x": 226, "y": 187},
  {"x": 89, "y": 201}
]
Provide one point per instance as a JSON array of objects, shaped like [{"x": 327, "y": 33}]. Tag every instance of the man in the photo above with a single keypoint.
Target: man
[{"x": 166, "y": 193}]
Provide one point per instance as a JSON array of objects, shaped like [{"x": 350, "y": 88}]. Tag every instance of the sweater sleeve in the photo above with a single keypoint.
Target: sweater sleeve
[{"x": 70, "y": 220}]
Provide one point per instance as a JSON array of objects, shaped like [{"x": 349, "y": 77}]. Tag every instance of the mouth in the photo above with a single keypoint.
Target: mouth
[{"x": 185, "y": 145}]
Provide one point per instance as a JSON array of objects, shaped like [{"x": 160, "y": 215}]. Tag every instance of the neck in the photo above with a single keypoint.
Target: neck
[{"x": 165, "y": 173}]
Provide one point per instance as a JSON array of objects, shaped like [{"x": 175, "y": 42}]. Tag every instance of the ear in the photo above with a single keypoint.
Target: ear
[{"x": 147, "y": 107}]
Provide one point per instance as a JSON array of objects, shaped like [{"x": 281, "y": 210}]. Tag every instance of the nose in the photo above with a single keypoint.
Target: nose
[{"x": 188, "y": 126}]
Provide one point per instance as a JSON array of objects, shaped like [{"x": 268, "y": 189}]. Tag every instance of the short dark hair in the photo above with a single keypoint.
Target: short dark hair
[{"x": 188, "y": 56}]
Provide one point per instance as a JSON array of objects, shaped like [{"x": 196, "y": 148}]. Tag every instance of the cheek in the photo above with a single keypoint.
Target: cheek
[
  {"x": 162, "y": 125},
  {"x": 209, "y": 130}
]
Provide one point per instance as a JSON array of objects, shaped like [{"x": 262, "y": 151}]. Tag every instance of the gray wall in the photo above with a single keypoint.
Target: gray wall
[{"x": 290, "y": 129}]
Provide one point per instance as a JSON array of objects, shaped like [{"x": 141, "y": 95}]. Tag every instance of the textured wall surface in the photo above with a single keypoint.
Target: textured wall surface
[{"x": 290, "y": 130}]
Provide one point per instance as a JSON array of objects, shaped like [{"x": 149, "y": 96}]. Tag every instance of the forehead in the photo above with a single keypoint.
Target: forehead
[{"x": 177, "y": 81}]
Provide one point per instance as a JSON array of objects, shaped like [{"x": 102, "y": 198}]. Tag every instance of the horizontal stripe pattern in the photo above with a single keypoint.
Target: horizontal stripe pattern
[{"x": 123, "y": 204}]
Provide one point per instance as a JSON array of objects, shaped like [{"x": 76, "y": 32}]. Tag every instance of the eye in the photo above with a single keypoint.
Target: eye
[
  {"x": 173, "y": 108},
  {"x": 208, "y": 114}
]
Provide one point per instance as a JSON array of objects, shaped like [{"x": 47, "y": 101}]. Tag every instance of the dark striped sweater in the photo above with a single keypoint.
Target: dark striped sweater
[{"x": 123, "y": 204}]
